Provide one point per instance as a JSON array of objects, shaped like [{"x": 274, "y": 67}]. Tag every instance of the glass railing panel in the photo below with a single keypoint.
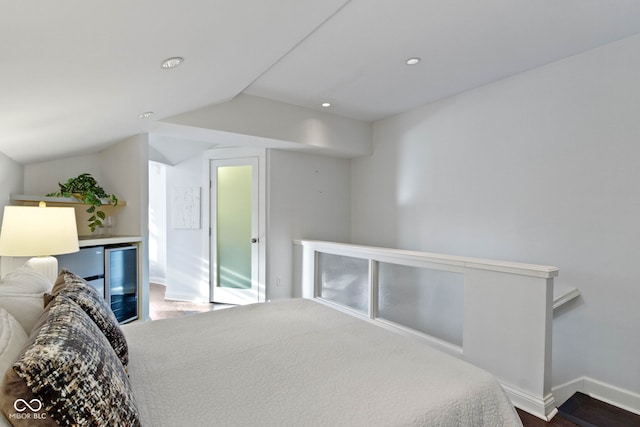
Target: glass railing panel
[
  {"x": 344, "y": 280},
  {"x": 427, "y": 300}
]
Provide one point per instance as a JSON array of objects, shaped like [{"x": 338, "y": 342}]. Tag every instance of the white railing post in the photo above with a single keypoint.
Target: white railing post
[
  {"x": 507, "y": 331},
  {"x": 308, "y": 272},
  {"x": 373, "y": 289}
]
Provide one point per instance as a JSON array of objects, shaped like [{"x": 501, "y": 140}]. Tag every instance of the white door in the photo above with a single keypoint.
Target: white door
[{"x": 234, "y": 230}]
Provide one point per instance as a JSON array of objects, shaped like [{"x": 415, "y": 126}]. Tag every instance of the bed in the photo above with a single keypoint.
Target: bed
[{"x": 292, "y": 362}]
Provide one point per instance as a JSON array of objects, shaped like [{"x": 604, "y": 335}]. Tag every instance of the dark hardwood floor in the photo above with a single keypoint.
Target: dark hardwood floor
[
  {"x": 529, "y": 420},
  {"x": 584, "y": 411}
]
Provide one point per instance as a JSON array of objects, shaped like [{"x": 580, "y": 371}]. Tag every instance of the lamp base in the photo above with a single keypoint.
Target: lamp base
[{"x": 46, "y": 265}]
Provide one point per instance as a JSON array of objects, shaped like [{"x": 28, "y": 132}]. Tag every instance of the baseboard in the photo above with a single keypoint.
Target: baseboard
[
  {"x": 563, "y": 392},
  {"x": 544, "y": 409},
  {"x": 177, "y": 296},
  {"x": 158, "y": 280},
  {"x": 624, "y": 399}
]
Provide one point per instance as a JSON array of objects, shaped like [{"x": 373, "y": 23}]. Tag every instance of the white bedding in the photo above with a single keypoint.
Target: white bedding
[{"x": 300, "y": 363}]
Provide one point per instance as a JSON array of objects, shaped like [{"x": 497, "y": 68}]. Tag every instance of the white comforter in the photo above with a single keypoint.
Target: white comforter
[{"x": 300, "y": 363}]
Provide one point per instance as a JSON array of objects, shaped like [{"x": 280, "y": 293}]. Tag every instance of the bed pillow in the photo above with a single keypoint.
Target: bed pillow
[
  {"x": 88, "y": 298},
  {"x": 69, "y": 373},
  {"x": 28, "y": 280},
  {"x": 12, "y": 340},
  {"x": 24, "y": 308},
  {"x": 21, "y": 295},
  {"x": 14, "y": 393}
]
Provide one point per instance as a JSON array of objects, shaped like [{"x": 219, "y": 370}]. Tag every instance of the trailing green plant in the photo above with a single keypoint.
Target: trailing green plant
[{"x": 85, "y": 188}]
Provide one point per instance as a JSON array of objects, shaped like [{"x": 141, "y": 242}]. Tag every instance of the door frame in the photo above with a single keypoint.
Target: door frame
[{"x": 228, "y": 154}]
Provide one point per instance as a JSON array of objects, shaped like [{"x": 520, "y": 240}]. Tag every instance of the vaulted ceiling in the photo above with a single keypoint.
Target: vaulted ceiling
[{"x": 76, "y": 74}]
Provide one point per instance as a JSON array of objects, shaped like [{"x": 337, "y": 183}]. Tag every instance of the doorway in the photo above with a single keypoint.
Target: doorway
[{"x": 236, "y": 242}]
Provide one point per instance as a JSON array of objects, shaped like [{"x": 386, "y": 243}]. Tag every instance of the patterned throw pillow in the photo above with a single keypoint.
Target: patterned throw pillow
[
  {"x": 72, "y": 372},
  {"x": 88, "y": 298}
]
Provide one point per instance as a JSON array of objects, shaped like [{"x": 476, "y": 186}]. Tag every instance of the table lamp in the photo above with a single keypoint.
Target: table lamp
[{"x": 39, "y": 232}]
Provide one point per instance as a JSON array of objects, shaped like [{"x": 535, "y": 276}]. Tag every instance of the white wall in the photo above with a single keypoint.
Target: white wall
[
  {"x": 157, "y": 222},
  {"x": 125, "y": 168},
  {"x": 11, "y": 182},
  {"x": 308, "y": 199},
  {"x": 119, "y": 169},
  {"x": 43, "y": 177},
  {"x": 542, "y": 168},
  {"x": 187, "y": 266}
]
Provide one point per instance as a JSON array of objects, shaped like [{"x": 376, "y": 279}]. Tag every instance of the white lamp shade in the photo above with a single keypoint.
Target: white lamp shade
[{"x": 38, "y": 231}]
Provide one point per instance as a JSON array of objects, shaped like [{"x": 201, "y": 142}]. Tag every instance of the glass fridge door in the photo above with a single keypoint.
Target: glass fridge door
[{"x": 121, "y": 277}]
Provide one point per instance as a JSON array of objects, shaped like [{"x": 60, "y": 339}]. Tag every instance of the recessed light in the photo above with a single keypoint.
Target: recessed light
[
  {"x": 413, "y": 61},
  {"x": 326, "y": 104},
  {"x": 145, "y": 115},
  {"x": 172, "y": 62}
]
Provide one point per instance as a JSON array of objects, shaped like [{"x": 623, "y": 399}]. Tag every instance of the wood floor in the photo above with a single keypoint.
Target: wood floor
[
  {"x": 529, "y": 420},
  {"x": 581, "y": 410},
  {"x": 584, "y": 411},
  {"x": 161, "y": 308}
]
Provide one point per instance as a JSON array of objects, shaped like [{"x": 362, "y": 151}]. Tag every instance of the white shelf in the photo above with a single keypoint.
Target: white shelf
[
  {"x": 81, "y": 209},
  {"x": 112, "y": 240},
  {"x": 46, "y": 199}
]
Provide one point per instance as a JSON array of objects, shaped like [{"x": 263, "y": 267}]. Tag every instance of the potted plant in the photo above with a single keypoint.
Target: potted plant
[{"x": 85, "y": 188}]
